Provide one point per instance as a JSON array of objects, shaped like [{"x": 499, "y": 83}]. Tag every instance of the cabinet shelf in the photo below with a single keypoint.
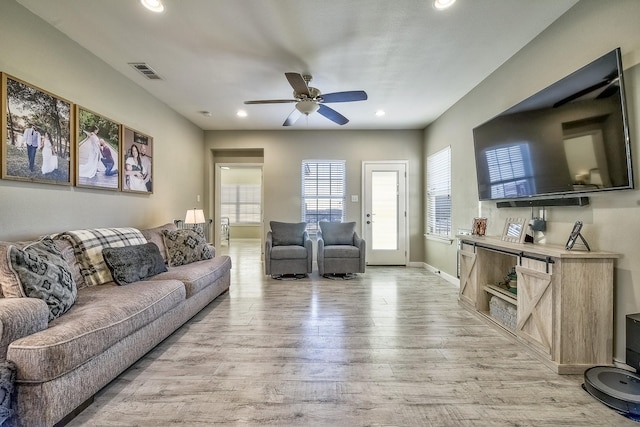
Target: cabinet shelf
[{"x": 502, "y": 293}]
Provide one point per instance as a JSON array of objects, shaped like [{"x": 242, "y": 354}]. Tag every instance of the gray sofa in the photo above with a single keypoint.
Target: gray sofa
[{"x": 62, "y": 363}]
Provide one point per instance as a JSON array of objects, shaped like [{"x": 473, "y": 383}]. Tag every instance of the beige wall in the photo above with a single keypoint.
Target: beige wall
[
  {"x": 285, "y": 150},
  {"x": 35, "y": 52},
  {"x": 587, "y": 31}
]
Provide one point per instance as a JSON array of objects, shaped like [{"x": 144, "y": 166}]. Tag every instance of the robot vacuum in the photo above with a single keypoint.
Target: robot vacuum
[{"x": 617, "y": 388}]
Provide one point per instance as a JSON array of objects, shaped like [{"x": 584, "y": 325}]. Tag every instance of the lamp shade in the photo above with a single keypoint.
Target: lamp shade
[{"x": 194, "y": 216}]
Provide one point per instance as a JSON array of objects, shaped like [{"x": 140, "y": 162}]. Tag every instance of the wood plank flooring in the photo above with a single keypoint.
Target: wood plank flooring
[{"x": 391, "y": 347}]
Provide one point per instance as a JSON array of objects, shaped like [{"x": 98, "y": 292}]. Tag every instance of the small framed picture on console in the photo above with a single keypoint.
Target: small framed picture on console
[
  {"x": 514, "y": 230},
  {"x": 575, "y": 235},
  {"x": 479, "y": 227}
]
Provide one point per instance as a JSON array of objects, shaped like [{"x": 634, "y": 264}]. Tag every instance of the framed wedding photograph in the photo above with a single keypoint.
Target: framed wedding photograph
[
  {"x": 98, "y": 151},
  {"x": 514, "y": 230},
  {"x": 479, "y": 227},
  {"x": 137, "y": 161},
  {"x": 36, "y": 134}
]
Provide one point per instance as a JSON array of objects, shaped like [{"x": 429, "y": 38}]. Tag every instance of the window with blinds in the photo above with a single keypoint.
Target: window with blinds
[
  {"x": 323, "y": 192},
  {"x": 240, "y": 203},
  {"x": 439, "y": 194}
]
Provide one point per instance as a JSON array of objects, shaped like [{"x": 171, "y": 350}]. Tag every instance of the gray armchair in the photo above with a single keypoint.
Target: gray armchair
[
  {"x": 288, "y": 250},
  {"x": 340, "y": 250}
]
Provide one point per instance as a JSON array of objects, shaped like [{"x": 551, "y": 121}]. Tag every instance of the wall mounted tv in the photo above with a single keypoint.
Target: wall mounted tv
[{"x": 564, "y": 142}]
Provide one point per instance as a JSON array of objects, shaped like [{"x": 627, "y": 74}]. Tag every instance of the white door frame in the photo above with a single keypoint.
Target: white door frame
[
  {"x": 217, "y": 201},
  {"x": 406, "y": 191}
]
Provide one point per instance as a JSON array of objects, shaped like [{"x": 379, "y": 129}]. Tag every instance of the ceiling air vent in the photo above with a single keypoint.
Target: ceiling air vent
[{"x": 145, "y": 70}]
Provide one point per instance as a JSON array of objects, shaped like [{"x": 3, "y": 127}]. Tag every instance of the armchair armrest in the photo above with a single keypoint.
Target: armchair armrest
[
  {"x": 308, "y": 245},
  {"x": 320, "y": 242},
  {"x": 268, "y": 244},
  {"x": 20, "y": 317},
  {"x": 361, "y": 244}
]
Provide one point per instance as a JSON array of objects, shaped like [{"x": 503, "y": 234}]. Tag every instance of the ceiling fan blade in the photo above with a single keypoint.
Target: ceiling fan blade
[
  {"x": 332, "y": 115},
  {"x": 293, "y": 117},
  {"x": 298, "y": 83},
  {"x": 353, "y": 95},
  {"x": 272, "y": 101}
]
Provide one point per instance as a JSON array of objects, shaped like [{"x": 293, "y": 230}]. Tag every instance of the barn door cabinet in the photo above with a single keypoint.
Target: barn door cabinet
[{"x": 564, "y": 302}]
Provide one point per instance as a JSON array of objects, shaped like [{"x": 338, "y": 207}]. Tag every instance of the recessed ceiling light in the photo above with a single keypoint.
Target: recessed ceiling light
[
  {"x": 443, "y": 4},
  {"x": 153, "y": 5},
  {"x": 380, "y": 113},
  {"x": 241, "y": 113}
]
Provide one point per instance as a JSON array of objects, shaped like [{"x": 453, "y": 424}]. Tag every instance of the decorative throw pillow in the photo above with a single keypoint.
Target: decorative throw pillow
[
  {"x": 130, "y": 264},
  {"x": 337, "y": 233},
  {"x": 44, "y": 274},
  {"x": 285, "y": 233},
  {"x": 185, "y": 246}
]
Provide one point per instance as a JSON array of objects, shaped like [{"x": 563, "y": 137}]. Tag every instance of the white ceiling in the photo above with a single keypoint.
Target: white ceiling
[{"x": 413, "y": 60}]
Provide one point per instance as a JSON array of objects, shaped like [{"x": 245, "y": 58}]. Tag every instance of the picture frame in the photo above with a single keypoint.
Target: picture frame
[
  {"x": 514, "y": 230},
  {"x": 38, "y": 142},
  {"x": 575, "y": 235},
  {"x": 98, "y": 151},
  {"x": 479, "y": 227},
  {"x": 137, "y": 176}
]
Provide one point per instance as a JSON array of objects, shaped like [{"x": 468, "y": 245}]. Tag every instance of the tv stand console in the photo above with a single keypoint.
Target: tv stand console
[{"x": 563, "y": 304}]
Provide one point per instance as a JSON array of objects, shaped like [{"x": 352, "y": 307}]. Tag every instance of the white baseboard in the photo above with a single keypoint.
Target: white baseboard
[{"x": 449, "y": 278}]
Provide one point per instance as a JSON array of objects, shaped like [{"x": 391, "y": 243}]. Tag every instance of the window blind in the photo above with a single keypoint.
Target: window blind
[
  {"x": 323, "y": 192},
  {"x": 439, "y": 193},
  {"x": 240, "y": 203}
]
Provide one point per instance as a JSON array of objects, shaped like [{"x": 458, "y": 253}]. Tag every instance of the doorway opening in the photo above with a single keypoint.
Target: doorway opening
[{"x": 238, "y": 205}]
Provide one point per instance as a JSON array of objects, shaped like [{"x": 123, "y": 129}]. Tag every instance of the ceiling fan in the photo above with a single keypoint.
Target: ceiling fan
[{"x": 309, "y": 100}]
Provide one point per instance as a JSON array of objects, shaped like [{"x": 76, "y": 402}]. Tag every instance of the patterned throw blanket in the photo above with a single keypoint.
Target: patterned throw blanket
[{"x": 88, "y": 245}]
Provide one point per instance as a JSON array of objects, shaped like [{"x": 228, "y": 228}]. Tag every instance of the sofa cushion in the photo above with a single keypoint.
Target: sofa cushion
[
  {"x": 43, "y": 273},
  {"x": 130, "y": 264},
  {"x": 341, "y": 251},
  {"x": 198, "y": 275},
  {"x": 185, "y": 246},
  {"x": 154, "y": 235},
  {"x": 9, "y": 283},
  {"x": 288, "y": 252},
  {"x": 337, "y": 233},
  {"x": 285, "y": 233},
  {"x": 101, "y": 316},
  {"x": 88, "y": 245}
]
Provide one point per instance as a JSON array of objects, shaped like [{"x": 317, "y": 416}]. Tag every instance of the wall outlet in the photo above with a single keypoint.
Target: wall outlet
[{"x": 354, "y": 198}]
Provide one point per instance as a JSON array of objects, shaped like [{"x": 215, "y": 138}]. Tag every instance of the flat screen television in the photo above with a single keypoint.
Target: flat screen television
[{"x": 570, "y": 139}]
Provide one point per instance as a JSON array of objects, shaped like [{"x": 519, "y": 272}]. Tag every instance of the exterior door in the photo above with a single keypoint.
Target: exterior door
[{"x": 385, "y": 212}]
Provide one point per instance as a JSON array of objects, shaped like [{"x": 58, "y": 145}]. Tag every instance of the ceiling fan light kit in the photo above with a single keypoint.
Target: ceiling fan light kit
[
  {"x": 309, "y": 100},
  {"x": 307, "y": 106}
]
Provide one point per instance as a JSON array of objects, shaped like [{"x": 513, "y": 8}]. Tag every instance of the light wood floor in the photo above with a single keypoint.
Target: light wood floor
[{"x": 391, "y": 347}]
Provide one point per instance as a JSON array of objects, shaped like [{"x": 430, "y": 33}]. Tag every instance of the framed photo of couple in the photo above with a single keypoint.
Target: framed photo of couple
[
  {"x": 36, "y": 134},
  {"x": 137, "y": 162},
  {"x": 98, "y": 151},
  {"x": 49, "y": 139}
]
